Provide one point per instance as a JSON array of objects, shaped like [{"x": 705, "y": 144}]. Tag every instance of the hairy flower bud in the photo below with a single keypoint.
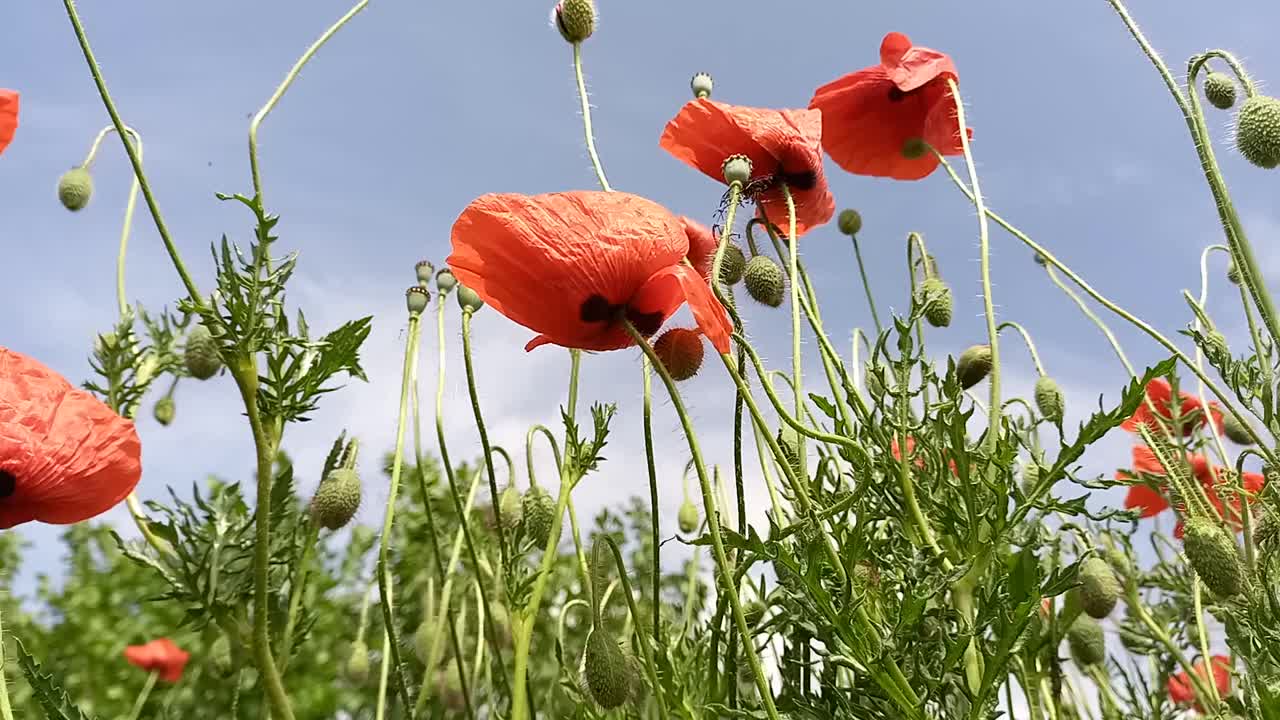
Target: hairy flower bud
[
  {"x": 1258, "y": 131},
  {"x": 1087, "y": 641},
  {"x": 337, "y": 499},
  {"x": 357, "y": 665},
  {"x": 764, "y": 280},
  {"x": 575, "y": 19},
  {"x": 164, "y": 410},
  {"x": 1049, "y": 398},
  {"x": 539, "y": 510},
  {"x": 75, "y": 188},
  {"x": 201, "y": 353},
  {"x": 422, "y": 641},
  {"x": 849, "y": 221},
  {"x": 680, "y": 351},
  {"x": 935, "y": 296},
  {"x": 701, "y": 85},
  {"x": 1220, "y": 90},
  {"x": 732, "y": 265},
  {"x": 1099, "y": 589},
  {"x": 511, "y": 506},
  {"x": 606, "y": 670},
  {"x": 1233, "y": 272},
  {"x": 973, "y": 365},
  {"x": 1213, "y": 553},
  {"x": 687, "y": 517},
  {"x": 1236, "y": 430}
]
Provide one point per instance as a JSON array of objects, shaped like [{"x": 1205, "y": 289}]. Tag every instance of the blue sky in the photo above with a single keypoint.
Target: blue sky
[{"x": 415, "y": 109}]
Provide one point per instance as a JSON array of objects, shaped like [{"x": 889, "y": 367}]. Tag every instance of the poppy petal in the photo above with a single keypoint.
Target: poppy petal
[
  {"x": 681, "y": 283},
  {"x": 1145, "y": 461},
  {"x": 9, "y": 102},
  {"x": 1150, "y": 501},
  {"x": 911, "y": 67},
  {"x": 702, "y": 246}
]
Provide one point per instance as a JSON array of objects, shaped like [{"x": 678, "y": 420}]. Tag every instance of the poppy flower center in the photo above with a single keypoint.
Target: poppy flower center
[
  {"x": 8, "y": 483},
  {"x": 598, "y": 309}
]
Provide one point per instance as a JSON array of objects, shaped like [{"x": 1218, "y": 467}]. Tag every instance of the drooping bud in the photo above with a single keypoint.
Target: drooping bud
[
  {"x": 445, "y": 281},
  {"x": 701, "y": 85},
  {"x": 736, "y": 169},
  {"x": 638, "y": 688},
  {"x": 416, "y": 299},
  {"x": 1220, "y": 90},
  {"x": 1258, "y": 131},
  {"x": 75, "y": 188},
  {"x": 357, "y": 665},
  {"x": 425, "y": 270},
  {"x": 606, "y": 670},
  {"x": 764, "y": 280},
  {"x": 201, "y": 354},
  {"x": 1233, "y": 272},
  {"x": 1213, "y": 553},
  {"x": 1099, "y": 589},
  {"x": 511, "y": 505},
  {"x": 575, "y": 19},
  {"x": 422, "y": 641},
  {"x": 223, "y": 662},
  {"x": 849, "y": 221},
  {"x": 539, "y": 510},
  {"x": 973, "y": 365},
  {"x": 680, "y": 351},
  {"x": 1087, "y": 641},
  {"x": 732, "y": 265},
  {"x": 449, "y": 688},
  {"x": 1236, "y": 430},
  {"x": 789, "y": 444},
  {"x": 1049, "y": 398},
  {"x": 164, "y": 410},
  {"x": 468, "y": 300},
  {"x": 935, "y": 296},
  {"x": 337, "y": 499},
  {"x": 687, "y": 516}
]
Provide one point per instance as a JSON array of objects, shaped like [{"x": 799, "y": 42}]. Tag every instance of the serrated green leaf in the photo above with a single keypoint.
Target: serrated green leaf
[{"x": 52, "y": 698}]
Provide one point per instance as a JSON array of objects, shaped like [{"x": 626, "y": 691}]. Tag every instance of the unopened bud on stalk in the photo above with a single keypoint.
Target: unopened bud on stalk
[
  {"x": 1099, "y": 589},
  {"x": 1087, "y": 641},
  {"x": 539, "y": 510},
  {"x": 701, "y": 85},
  {"x": 575, "y": 19},
  {"x": 75, "y": 188},
  {"x": 935, "y": 296},
  {"x": 424, "y": 270},
  {"x": 223, "y": 662},
  {"x": 1220, "y": 90},
  {"x": 736, "y": 169},
  {"x": 510, "y": 504},
  {"x": 164, "y": 410},
  {"x": 680, "y": 351},
  {"x": 468, "y": 300},
  {"x": 1049, "y": 398},
  {"x": 606, "y": 670},
  {"x": 357, "y": 666},
  {"x": 1236, "y": 430},
  {"x": 849, "y": 221},
  {"x": 687, "y": 517},
  {"x": 337, "y": 499},
  {"x": 422, "y": 641},
  {"x": 974, "y": 365},
  {"x": 1258, "y": 131},
  {"x": 416, "y": 299},
  {"x": 789, "y": 444},
  {"x": 1213, "y": 553},
  {"x": 201, "y": 353},
  {"x": 732, "y": 265},
  {"x": 445, "y": 281},
  {"x": 765, "y": 281}
]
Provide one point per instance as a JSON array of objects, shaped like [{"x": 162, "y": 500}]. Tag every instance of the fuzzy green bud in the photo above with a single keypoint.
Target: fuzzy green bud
[
  {"x": 701, "y": 85},
  {"x": 1213, "y": 553},
  {"x": 75, "y": 188},
  {"x": 732, "y": 265},
  {"x": 468, "y": 300},
  {"x": 1049, "y": 398},
  {"x": 357, "y": 666},
  {"x": 164, "y": 410},
  {"x": 736, "y": 169},
  {"x": 764, "y": 280},
  {"x": 1236, "y": 430},
  {"x": 687, "y": 517},
  {"x": 1258, "y": 131},
  {"x": 849, "y": 221},
  {"x": 337, "y": 499},
  {"x": 416, "y": 299},
  {"x": 201, "y": 354},
  {"x": 935, "y": 296},
  {"x": 511, "y": 505},
  {"x": 223, "y": 662},
  {"x": 974, "y": 365},
  {"x": 539, "y": 510},
  {"x": 606, "y": 670},
  {"x": 1087, "y": 641},
  {"x": 680, "y": 351},
  {"x": 1233, "y": 272},
  {"x": 575, "y": 19},
  {"x": 1099, "y": 588},
  {"x": 789, "y": 444},
  {"x": 1220, "y": 90},
  {"x": 422, "y": 642},
  {"x": 445, "y": 281}
]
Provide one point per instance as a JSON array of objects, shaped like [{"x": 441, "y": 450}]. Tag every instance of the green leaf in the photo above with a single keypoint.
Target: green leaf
[{"x": 52, "y": 698}]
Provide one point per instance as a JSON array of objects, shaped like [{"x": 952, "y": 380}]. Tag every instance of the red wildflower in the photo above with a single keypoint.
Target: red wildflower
[
  {"x": 911, "y": 449},
  {"x": 8, "y": 116},
  {"x": 784, "y": 147},
  {"x": 64, "y": 455},
  {"x": 570, "y": 266},
  {"x": 1181, "y": 690},
  {"x": 1160, "y": 395},
  {"x": 1152, "y": 501},
  {"x": 702, "y": 245},
  {"x": 870, "y": 117},
  {"x": 159, "y": 656}
]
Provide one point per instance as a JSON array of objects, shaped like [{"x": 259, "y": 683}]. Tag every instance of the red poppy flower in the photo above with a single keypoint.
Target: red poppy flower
[
  {"x": 1152, "y": 502},
  {"x": 159, "y": 656},
  {"x": 785, "y": 146},
  {"x": 874, "y": 119},
  {"x": 8, "y": 116},
  {"x": 1181, "y": 690},
  {"x": 571, "y": 266},
  {"x": 702, "y": 245},
  {"x": 64, "y": 455},
  {"x": 1160, "y": 395},
  {"x": 911, "y": 449}
]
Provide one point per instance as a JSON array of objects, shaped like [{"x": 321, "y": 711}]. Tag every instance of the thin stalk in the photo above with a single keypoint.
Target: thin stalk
[
  {"x": 143, "y": 695},
  {"x": 1201, "y": 636},
  {"x": 6, "y": 712},
  {"x": 653, "y": 504},
  {"x": 866, "y": 286},
  {"x": 585, "y": 102},
  {"x": 797, "y": 359},
  {"x": 484, "y": 437},
  {"x": 645, "y": 650},
  {"x": 1198, "y": 684},
  {"x": 1026, "y": 338},
  {"x": 1089, "y": 313},
  {"x": 295, "y": 596}
]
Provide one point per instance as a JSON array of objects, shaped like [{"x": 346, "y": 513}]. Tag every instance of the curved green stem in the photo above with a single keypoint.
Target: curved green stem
[
  {"x": 6, "y": 712},
  {"x": 143, "y": 695},
  {"x": 797, "y": 359},
  {"x": 653, "y": 506},
  {"x": 586, "y": 118},
  {"x": 1026, "y": 338},
  {"x": 484, "y": 436},
  {"x": 1089, "y": 313}
]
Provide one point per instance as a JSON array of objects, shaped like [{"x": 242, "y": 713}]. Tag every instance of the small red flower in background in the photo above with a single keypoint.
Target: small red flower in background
[
  {"x": 65, "y": 456},
  {"x": 8, "y": 116},
  {"x": 161, "y": 656},
  {"x": 1152, "y": 502},
  {"x": 1160, "y": 395},
  {"x": 570, "y": 266},
  {"x": 702, "y": 245},
  {"x": 911, "y": 449},
  {"x": 785, "y": 146},
  {"x": 1180, "y": 687},
  {"x": 870, "y": 116}
]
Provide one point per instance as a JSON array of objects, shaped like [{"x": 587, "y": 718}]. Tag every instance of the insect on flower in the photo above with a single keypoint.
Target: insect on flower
[
  {"x": 876, "y": 121},
  {"x": 65, "y": 456},
  {"x": 8, "y": 116},
  {"x": 161, "y": 656},
  {"x": 571, "y": 266},
  {"x": 784, "y": 146}
]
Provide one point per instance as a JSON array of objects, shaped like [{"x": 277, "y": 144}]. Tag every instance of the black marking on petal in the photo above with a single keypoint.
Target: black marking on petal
[
  {"x": 597, "y": 309},
  {"x": 645, "y": 323}
]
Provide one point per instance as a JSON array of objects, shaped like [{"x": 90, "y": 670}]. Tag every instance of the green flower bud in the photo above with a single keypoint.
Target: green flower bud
[
  {"x": 539, "y": 510},
  {"x": 1235, "y": 430},
  {"x": 224, "y": 664},
  {"x": 468, "y": 300},
  {"x": 701, "y": 85},
  {"x": 510, "y": 504},
  {"x": 687, "y": 517},
  {"x": 606, "y": 670},
  {"x": 1220, "y": 90},
  {"x": 849, "y": 221},
  {"x": 1049, "y": 398},
  {"x": 337, "y": 499},
  {"x": 1087, "y": 641},
  {"x": 1258, "y": 131},
  {"x": 445, "y": 281},
  {"x": 1233, "y": 272},
  {"x": 638, "y": 688},
  {"x": 357, "y": 667},
  {"x": 422, "y": 641},
  {"x": 1099, "y": 589},
  {"x": 732, "y": 265},
  {"x": 449, "y": 688},
  {"x": 765, "y": 281},
  {"x": 575, "y": 19},
  {"x": 75, "y": 188},
  {"x": 1213, "y": 553},
  {"x": 201, "y": 354},
  {"x": 680, "y": 351},
  {"x": 974, "y": 365},
  {"x": 736, "y": 169},
  {"x": 164, "y": 410},
  {"x": 935, "y": 296},
  {"x": 416, "y": 299},
  {"x": 789, "y": 444}
]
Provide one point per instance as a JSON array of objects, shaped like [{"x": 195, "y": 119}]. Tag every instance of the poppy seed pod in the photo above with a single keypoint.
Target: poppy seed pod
[
  {"x": 1087, "y": 641},
  {"x": 1236, "y": 430},
  {"x": 1258, "y": 131},
  {"x": 337, "y": 499},
  {"x": 1049, "y": 398},
  {"x": 510, "y": 504},
  {"x": 201, "y": 354},
  {"x": 575, "y": 19},
  {"x": 445, "y": 281},
  {"x": 1220, "y": 90},
  {"x": 765, "y": 281},
  {"x": 357, "y": 666},
  {"x": 468, "y": 300},
  {"x": 1099, "y": 589},
  {"x": 425, "y": 270},
  {"x": 732, "y": 265},
  {"x": 680, "y": 351},
  {"x": 606, "y": 670},
  {"x": 914, "y": 148},
  {"x": 1233, "y": 272},
  {"x": 164, "y": 410},
  {"x": 687, "y": 517},
  {"x": 416, "y": 299},
  {"x": 701, "y": 85},
  {"x": 75, "y": 188},
  {"x": 736, "y": 169},
  {"x": 539, "y": 510},
  {"x": 936, "y": 298},
  {"x": 1213, "y": 553},
  {"x": 974, "y": 365},
  {"x": 849, "y": 221}
]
